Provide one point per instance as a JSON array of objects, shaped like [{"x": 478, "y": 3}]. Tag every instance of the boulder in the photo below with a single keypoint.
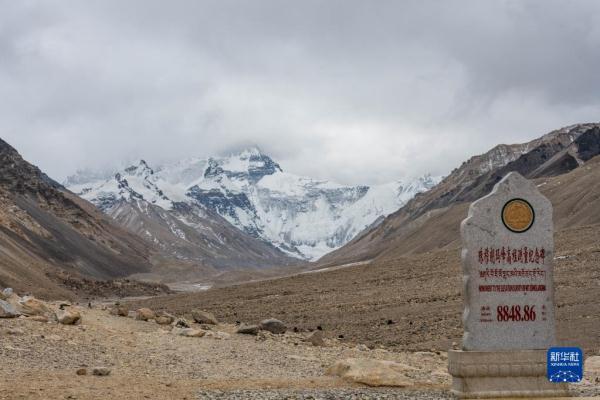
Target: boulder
[
  {"x": 189, "y": 332},
  {"x": 7, "y": 310},
  {"x": 182, "y": 323},
  {"x": 81, "y": 371},
  {"x": 6, "y": 293},
  {"x": 248, "y": 330},
  {"x": 372, "y": 372},
  {"x": 218, "y": 335},
  {"x": 120, "y": 310},
  {"x": 144, "y": 314},
  {"x": 164, "y": 319},
  {"x": 31, "y": 306},
  {"x": 316, "y": 338},
  {"x": 39, "y": 318},
  {"x": 203, "y": 317},
  {"x": 68, "y": 317},
  {"x": 101, "y": 371},
  {"x": 273, "y": 325}
]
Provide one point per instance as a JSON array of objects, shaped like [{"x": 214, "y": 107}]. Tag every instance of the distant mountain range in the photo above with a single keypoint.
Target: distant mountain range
[
  {"x": 430, "y": 221},
  {"x": 228, "y": 219},
  {"x": 280, "y": 214}
]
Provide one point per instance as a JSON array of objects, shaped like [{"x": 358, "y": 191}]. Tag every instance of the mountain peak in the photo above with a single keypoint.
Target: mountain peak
[
  {"x": 141, "y": 169},
  {"x": 250, "y": 163},
  {"x": 252, "y": 151},
  {"x": 6, "y": 148}
]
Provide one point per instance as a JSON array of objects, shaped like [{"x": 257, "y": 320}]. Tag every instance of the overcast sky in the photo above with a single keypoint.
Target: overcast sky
[{"x": 355, "y": 91}]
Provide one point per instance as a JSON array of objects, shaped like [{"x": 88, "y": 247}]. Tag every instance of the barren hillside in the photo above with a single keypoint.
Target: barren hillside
[
  {"x": 48, "y": 235},
  {"x": 430, "y": 221}
]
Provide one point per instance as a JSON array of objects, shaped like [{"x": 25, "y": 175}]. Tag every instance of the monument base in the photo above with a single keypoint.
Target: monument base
[{"x": 496, "y": 374}]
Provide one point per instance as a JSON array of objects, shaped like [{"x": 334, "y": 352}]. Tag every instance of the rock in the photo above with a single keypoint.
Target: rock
[
  {"x": 64, "y": 304},
  {"x": 203, "y": 317},
  {"x": 7, "y": 310},
  {"x": 273, "y": 325},
  {"x": 516, "y": 216},
  {"x": 144, "y": 314},
  {"x": 316, "y": 338},
  {"x": 6, "y": 293},
  {"x": 38, "y": 318},
  {"x": 101, "y": 371},
  {"x": 248, "y": 330},
  {"x": 81, "y": 371},
  {"x": 15, "y": 332},
  {"x": 31, "y": 306},
  {"x": 182, "y": 323},
  {"x": 189, "y": 332},
  {"x": 218, "y": 335},
  {"x": 164, "y": 319},
  {"x": 68, "y": 317},
  {"x": 120, "y": 310},
  {"x": 372, "y": 372}
]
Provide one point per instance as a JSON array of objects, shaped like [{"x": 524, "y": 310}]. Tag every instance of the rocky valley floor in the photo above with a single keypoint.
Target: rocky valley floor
[
  {"x": 145, "y": 360},
  {"x": 411, "y": 303}
]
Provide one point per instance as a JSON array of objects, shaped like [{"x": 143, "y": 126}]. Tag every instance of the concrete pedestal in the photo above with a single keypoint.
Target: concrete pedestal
[{"x": 497, "y": 374}]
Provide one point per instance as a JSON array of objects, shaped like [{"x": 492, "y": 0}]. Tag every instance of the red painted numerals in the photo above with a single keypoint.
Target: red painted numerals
[{"x": 515, "y": 313}]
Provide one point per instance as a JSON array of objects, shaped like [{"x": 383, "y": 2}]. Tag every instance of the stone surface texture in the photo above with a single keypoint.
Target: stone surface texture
[
  {"x": 372, "y": 372},
  {"x": 497, "y": 374},
  {"x": 508, "y": 316},
  {"x": 483, "y": 230}
]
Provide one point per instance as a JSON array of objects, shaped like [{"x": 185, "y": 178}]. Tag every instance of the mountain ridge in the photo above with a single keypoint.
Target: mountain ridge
[
  {"x": 552, "y": 154},
  {"x": 47, "y": 232},
  {"x": 302, "y": 217}
]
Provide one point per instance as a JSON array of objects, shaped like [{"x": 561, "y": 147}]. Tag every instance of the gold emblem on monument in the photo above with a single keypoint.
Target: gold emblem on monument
[{"x": 518, "y": 215}]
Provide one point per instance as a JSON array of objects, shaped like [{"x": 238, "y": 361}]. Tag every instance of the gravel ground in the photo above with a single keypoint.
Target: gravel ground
[
  {"x": 328, "y": 394},
  {"x": 44, "y": 358},
  {"x": 40, "y": 361}
]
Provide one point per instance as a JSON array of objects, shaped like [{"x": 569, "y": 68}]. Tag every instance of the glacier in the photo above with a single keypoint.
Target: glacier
[{"x": 303, "y": 217}]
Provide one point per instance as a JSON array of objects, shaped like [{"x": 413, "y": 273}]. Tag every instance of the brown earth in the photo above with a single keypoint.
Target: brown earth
[
  {"x": 47, "y": 232},
  {"x": 147, "y": 361},
  {"x": 404, "y": 303}
]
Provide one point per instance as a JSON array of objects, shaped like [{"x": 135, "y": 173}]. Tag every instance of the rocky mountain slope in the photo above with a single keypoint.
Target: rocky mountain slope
[
  {"x": 181, "y": 232},
  {"x": 430, "y": 220},
  {"x": 411, "y": 298},
  {"x": 49, "y": 237},
  {"x": 299, "y": 216}
]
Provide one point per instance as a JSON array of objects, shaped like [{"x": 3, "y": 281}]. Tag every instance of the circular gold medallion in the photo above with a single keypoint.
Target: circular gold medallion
[{"x": 518, "y": 215}]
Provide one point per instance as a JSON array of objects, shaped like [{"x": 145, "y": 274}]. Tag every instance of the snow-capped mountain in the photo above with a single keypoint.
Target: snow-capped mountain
[{"x": 303, "y": 217}]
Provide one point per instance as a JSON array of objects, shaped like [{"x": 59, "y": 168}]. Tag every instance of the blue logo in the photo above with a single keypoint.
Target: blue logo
[{"x": 564, "y": 364}]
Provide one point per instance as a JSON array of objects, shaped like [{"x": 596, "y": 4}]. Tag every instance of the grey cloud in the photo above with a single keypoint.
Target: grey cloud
[{"x": 355, "y": 91}]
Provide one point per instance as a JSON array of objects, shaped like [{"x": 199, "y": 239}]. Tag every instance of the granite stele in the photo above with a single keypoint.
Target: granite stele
[{"x": 508, "y": 316}]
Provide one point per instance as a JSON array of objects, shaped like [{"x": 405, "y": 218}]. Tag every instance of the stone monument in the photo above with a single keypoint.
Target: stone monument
[{"x": 508, "y": 316}]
